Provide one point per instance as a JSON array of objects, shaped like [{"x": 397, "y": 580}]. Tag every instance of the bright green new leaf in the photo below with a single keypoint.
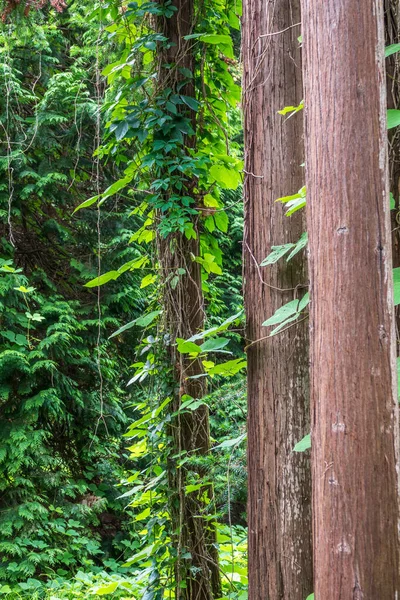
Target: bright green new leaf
[
  {"x": 221, "y": 221},
  {"x": 393, "y": 118},
  {"x": 229, "y": 368},
  {"x": 227, "y": 178},
  {"x": 105, "y": 278},
  {"x": 106, "y": 589},
  {"x": 185, "y": 347},
  {"x": 398, "y": 378},
  {"x": 148, "y": 280},
  {"x": 392, "y": 49},
  {"x": 87, "y": 203},
  {"x": 304, "y": 444},
  {"x": 396, "y": 285},
  {"x": 210, "y": 38},
  {"x": 310, "y": 597}
]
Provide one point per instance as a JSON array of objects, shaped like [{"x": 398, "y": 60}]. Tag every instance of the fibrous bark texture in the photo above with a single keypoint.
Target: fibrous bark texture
[
  {"x": 353, "y": 370},
  {"x": 279, "y": 507}
]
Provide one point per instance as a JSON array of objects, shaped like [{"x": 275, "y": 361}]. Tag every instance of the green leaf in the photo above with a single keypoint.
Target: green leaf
[
  {"x": 210, "y": 38},
  {"x": 302, "y": 243},
  {"x": 283, "y": 313},
  {"x": 392, "y": 201},
  {"x": 304, "y": 302},
  {"x": 304, "y": 444},
  {"x": 229, "y": 368},
  {"x": 147, "y": 319},
  {"x": 214, "y": 344},
  {"x": 121, "y": 130},
  {"x": 231, "y": 442},
  {"x": 217, "y": 329},
  {"x": 393, "y": 118},
  {"x": 310, "y": 597},
  {"x": 105, "y": 278},
  {"x": 398, "y": 378},
  {"x": 185, "y": 347},
  {"x": 221, "y": 220},
  {"x": 87, "y": 203},
  {"x": 106, "y": 589},
  {"x": 227, "y": 178},
  {"x": 396, "y": 285},
  {"x": 148, "y": 280},
  {"x": 143, "y": 321},
  {"x": 276, "y": 254},
  {"x": 191, "y": 102},
  {"x": 392, "y": 49}
]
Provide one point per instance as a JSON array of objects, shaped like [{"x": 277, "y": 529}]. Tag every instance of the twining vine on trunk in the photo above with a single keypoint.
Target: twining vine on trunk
[{"x": 196, "y": 570}]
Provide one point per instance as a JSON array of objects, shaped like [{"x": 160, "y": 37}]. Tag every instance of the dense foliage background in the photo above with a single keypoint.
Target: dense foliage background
[{"x": 65, "y": 527}]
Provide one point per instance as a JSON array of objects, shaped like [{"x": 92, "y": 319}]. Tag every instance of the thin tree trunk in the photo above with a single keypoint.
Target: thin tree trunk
[
  {"x": 194, "y": 535},
  {"x": 279, "y": 506},
  {"x": 353, "y": 370}
]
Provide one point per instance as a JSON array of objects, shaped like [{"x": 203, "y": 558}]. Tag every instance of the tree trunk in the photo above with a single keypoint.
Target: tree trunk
[
  {"x": 197, "y": 574},
  {"x": 279, "y": 507},
  {"x": 353, "y": 369}
]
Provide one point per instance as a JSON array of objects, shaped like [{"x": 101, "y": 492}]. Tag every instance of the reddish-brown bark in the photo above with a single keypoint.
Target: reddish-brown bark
[
  {"x": 279, "y": 506},
  {"x": 353, "y": 371}
]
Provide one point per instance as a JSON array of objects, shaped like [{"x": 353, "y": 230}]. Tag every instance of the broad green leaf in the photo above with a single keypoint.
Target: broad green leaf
[
  {"x": 121, "y": 130},
  {"x": 105, "y": 278},
  {"x": 227, "y": 178},
  {"x": 148, "y": 280},
  {"x": 305, "y": 301},
  {"x": 310, "y": 597},
  {"x": 210, "y": 38},
  {"x": 392, "y": 49},
  {"x": 302, "y": 243},
  {"x": 214, "y": 344},
  {"x": 304, "y": 444},
  {"x": 392, "y": 201},
  {"x": 393, "y": 118},
  {"x": 106, "y": 589},
  {"x": 117, "y": 186},
  {"x": 217, "y": 329},
  {"x": 284, "y": 324},
  {"x": 87, "y": 203},
  {"x": 143, "y": 321},
  {"x": 295, "y": 205},
  {"x": 398, "y": 378},
  {"x": 191, "y": 102},
  {"x": 185, "y": 347},
  {"x": 229, "y": 368},
  {"x": 283, "y": 313},
  {"x": 276, "y": 253},
  {"x": 396, "y": 285},
  {"x": 231, "y": 442},
  {"x": 147, "y": 319},
  {"x": 143, "y": 554},
  {"x": 221, "y": 220}
]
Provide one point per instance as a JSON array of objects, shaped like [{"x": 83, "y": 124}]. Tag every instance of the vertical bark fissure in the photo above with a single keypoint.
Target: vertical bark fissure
[
  {"x": 279, "y": 508},
  {"x": 352, "y": 346}
]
